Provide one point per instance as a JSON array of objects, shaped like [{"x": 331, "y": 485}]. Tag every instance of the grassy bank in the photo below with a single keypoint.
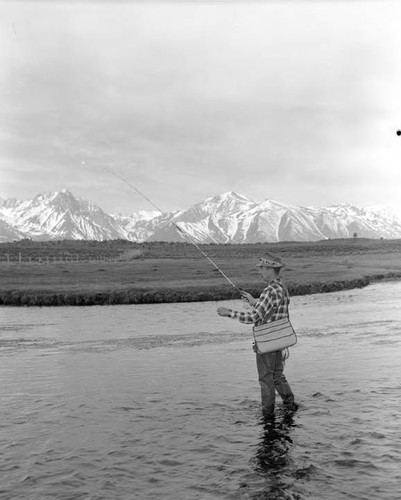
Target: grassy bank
[{"x": 161, "y": 272}]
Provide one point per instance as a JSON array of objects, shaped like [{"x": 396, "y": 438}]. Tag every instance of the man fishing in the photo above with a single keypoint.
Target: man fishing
[{"x": 272, "y": 305}]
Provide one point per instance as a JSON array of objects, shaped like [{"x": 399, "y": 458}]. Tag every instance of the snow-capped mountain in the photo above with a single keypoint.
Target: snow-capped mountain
[
  {"x": 59, "y": 215},
  {"x": 211, "y": 221},
  {"x": 226, "y": 218}
]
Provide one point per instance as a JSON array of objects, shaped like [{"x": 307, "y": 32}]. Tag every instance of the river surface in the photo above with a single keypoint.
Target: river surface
[{"x": 162, "y": 402}]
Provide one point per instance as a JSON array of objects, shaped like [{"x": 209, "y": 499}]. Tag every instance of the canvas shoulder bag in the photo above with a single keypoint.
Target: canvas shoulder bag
[{"x": 274, "y": 336}]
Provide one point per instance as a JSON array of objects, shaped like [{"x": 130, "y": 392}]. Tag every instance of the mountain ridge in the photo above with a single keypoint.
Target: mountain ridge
[{"x": 225, "y": 218}]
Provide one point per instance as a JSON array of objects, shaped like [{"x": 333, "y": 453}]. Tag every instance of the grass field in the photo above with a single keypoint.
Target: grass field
[{"x": 163, "y": 272}]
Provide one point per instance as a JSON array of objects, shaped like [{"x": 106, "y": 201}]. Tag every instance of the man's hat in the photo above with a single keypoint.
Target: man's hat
[{"x": 270, "y": 260}]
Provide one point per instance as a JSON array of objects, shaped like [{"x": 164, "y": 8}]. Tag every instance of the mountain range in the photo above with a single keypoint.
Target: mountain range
[{"x": 225, "y": 218}]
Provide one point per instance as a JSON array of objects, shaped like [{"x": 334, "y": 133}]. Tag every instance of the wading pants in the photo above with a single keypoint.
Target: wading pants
[{"x": 271, "y": 378}]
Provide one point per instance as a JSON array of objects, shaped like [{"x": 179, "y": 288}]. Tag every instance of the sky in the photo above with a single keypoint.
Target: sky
[{"x": 295, "y": 101}]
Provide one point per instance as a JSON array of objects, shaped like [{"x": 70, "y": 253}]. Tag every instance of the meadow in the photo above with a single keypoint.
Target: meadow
[{"x": 121, "y": 272}]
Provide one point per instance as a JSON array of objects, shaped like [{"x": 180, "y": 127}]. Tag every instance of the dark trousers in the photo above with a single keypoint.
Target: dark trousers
[{"x": 271, "y": 379}]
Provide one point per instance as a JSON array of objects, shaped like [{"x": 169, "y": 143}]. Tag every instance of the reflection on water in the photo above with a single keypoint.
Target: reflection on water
[
  {"x": 273, "y": 459},
  {"x": 278, "y": 476},
  {"x": 162, "y": 401},
  {"x": 272, "y": 455}
]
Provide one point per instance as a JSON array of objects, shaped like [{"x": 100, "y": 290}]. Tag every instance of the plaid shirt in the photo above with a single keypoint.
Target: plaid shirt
[{"x": 271, "y": 305}]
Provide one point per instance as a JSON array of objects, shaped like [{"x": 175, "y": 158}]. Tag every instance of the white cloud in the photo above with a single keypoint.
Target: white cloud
[{"x": 298, "y": 102}]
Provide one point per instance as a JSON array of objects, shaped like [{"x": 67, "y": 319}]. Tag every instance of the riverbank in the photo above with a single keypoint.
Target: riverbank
[
  {"x": 196, "y": 294},
  {"x": 164, "y": 273},
  {"x": 163, "y": 295}
]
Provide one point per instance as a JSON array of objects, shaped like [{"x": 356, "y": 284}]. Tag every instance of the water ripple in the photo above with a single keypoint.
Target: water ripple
[{"x": 93, "y": 409}]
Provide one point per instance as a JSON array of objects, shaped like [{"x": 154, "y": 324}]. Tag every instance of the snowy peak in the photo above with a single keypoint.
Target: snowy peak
[
  {"x": 60, "y": 200},
  {"x": 227, "y": 203},
  {"x": 60, "y": 215},
  {"x": 222, "y": 204},
  {"x": 225, "y": 218}
]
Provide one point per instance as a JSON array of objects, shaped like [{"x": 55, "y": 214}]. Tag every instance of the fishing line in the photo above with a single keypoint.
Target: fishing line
[{"x": 182, "y": 233}]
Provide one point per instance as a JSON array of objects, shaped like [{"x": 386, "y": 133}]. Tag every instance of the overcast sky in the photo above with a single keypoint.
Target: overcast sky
[{"x": 294, "y": 101}]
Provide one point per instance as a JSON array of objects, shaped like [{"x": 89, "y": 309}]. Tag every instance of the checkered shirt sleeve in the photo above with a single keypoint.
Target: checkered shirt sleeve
[{"x": 271, "y": 306}]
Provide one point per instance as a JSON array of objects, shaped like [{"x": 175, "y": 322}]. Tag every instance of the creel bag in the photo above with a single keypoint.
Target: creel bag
[{"x": 274, "y": 336}]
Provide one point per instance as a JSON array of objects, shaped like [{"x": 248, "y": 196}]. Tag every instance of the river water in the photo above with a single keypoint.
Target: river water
[{"x": 162, "y": 402}]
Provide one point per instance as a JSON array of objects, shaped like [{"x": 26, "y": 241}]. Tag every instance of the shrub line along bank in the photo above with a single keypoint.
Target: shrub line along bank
[{"x": 168, "y": 295}]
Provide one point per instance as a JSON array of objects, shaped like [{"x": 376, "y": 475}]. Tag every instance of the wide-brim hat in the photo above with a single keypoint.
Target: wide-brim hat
[{"x": 270, "y": 261}]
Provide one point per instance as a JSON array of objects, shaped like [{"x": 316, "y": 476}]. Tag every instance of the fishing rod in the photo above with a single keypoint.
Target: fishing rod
[{"x": 182, "y": 233}]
